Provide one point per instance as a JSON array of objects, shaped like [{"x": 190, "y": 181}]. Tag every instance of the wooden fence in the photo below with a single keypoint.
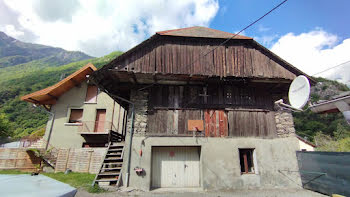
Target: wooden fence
[
  {"x": 17, "y": 158},
  {"x": 86, "y": 160}
]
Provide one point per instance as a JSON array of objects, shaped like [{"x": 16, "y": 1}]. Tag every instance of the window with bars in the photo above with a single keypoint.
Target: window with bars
[{"x": 246, "y": 157}]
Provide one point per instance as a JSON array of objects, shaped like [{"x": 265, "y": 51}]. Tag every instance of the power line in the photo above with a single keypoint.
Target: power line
[
  {"x": 331, "y": 68},
  {"x": 251, "y": 24}
]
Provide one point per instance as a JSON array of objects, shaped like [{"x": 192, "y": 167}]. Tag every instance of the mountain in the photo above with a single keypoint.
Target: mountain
[
  {"x": 25, "y": 68},
  {"x": 14, "y": 52}
]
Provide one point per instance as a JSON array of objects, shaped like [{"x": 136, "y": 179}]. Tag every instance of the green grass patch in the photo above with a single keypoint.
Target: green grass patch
[
  {"x": 13, "y": 172},
  {"x": 74, "y": 179},
  {"x": 77, "y": 180}
]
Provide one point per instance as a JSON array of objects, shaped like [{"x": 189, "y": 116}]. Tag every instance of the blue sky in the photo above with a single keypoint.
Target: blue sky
[
  {"x": 295, "y": 16},
  {"x": 313, "y": 35}
]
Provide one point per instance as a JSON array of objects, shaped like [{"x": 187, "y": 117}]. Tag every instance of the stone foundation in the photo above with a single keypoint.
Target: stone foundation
[{"x": 139, "y": 98}]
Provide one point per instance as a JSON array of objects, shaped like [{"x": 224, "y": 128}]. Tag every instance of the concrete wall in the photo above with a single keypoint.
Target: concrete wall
[
  {"x": 220, "y": 167},
  {"x": 64, "y": 136}
]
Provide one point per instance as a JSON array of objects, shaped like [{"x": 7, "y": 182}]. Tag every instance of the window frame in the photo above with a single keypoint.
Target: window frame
[
  {"x": 68, "y": 123},
  {"x": 245, "y": 161},
  {"x": 87, "y": 90}
]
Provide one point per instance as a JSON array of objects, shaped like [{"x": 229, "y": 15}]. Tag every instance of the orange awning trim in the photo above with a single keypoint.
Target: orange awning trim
[{"x": 49, "y": 95}]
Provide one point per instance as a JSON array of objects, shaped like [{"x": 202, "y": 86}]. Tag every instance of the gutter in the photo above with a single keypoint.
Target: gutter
[{"x": 313, "y": 107}]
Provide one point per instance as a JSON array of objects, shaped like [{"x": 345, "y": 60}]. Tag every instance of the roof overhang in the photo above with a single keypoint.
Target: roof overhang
[
  {"x": 305, "y": 141},
  {"x": 49, "y": 95},
  {"x": 118, "y": 82},
  {"x": 339, "y": 104}
]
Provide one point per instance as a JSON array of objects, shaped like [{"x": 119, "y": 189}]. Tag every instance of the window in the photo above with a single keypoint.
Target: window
[
  {"x": 76, "y": 115},
  {"x": 91, "y": 94},
  {"x": 246, "y": 160}
]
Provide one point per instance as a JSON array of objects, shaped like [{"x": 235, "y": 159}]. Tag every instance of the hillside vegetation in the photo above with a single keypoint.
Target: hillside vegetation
[
  {"x": 329, "y": 131},
  {"x": 19, "y": 117}
]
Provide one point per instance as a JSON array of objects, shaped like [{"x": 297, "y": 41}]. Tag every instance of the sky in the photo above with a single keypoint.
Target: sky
[{"x": 313, "y": 35}]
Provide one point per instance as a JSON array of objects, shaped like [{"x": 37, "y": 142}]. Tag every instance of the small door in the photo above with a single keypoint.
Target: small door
[
  {"x": 216, "y": 123},
  {"x": 100, "y": 120},
  {"x": 175, "y": 167}
]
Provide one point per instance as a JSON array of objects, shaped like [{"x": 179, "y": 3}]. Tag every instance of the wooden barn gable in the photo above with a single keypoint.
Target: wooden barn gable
[{"x": 189, "y": 51}]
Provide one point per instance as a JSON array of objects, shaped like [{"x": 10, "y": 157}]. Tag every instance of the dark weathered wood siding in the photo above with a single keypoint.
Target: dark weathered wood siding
[
  {"x": 217, "y": 123},
  {"x": 251, "y": 123},
  {"x": 213, "y": 96},
  {"x": 236, "y": 58}
]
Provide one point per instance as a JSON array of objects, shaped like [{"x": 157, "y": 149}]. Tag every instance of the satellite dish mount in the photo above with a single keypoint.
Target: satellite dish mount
[{"x": 298, "y": 95}]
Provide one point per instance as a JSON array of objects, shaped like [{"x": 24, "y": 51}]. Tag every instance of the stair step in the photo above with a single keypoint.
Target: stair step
[
  {"x": 115, "y": 168},
  {"x": 114, "y": 154},
  {"x": 109, "y": 174},
  {"x": 107, "y": 179},
  {"x": 113, "y": 159},
  {"x": 116, "y": 146},
  {"x": 113, "y": 163},
  {"x": 115, "y": 150}
]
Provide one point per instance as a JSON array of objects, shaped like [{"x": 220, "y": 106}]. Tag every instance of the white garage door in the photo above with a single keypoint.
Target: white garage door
[{"x": 175, "y": 167}]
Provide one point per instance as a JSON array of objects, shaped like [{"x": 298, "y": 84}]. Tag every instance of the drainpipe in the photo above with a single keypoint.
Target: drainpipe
[
  {"x": 51, "y": 126},
  {"x": 49, "y": 137}
]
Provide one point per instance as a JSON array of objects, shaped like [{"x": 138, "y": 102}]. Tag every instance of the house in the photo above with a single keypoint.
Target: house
[
  {"x": 305, "y": 145},
  {"x": 82, "y": 116},
  {"x": 201, "y": 112},
  {"x": 339, "y": 103}
]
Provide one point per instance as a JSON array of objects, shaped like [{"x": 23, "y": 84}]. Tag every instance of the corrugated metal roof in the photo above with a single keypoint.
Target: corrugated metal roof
[{"x": 202, "y": 32}]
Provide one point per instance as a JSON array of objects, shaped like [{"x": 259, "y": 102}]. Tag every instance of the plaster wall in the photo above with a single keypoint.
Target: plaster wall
[
  {"x": 64, "y": 136},
  {"x": 307, "y": 147},
  {"x": 219, "y": 161}
]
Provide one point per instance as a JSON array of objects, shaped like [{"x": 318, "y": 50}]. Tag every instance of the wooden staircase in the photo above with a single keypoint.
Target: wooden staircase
[{"x": 111, "y": 167}]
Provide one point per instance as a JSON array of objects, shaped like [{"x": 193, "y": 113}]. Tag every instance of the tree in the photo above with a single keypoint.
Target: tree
[{"x": 4, "y": 126}]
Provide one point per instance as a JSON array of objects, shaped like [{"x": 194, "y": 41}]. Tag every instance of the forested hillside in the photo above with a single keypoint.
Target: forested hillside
[
  {"x": 39, "y": 67},
  {"x": 21, "y": 117},
  {"x": 329, "y": 131}
]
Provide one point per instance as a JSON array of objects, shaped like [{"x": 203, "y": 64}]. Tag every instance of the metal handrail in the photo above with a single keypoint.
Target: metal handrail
[{"x": 90, "y": 126}]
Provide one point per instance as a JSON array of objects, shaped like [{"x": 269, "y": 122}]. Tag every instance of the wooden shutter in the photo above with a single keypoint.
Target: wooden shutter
[
  {"x": 91, "y": 94},
  {"x": 76, "y": 115}
]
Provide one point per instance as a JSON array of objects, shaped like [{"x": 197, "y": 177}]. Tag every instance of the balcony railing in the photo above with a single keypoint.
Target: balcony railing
[{"x": 96, "y": 127}]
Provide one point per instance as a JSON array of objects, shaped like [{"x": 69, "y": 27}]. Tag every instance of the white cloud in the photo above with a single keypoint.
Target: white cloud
[
  {"x": 11, "y": 31},
  {"x": 316, "y": 51},
  {"x": 98, "y": 27}
]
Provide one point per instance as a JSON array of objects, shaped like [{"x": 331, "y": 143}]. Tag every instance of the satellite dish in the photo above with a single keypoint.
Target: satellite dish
[{"x": 299, "y": 92}]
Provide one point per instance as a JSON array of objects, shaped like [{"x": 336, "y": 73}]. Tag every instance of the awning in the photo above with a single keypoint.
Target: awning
[{"x": 49, "y": 96}]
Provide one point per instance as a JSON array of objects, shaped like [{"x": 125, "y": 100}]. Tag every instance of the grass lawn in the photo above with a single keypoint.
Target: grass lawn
[{"x": 74, "y": 179}]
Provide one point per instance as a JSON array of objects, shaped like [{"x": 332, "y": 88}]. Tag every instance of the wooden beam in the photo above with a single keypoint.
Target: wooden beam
[
  {"x": 75, "y": 82},
  {"x": 35, "y": 101},
  {"x": 52, "y": 96}
]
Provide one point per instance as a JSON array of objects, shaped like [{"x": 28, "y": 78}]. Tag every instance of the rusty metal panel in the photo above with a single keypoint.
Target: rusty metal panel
[{"x": 216, "y": 124}]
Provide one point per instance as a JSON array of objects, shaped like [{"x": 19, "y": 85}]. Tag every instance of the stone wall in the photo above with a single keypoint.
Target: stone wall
[
  {"x": 139, "y": 98},
  {"x": 284, "y": 124}
]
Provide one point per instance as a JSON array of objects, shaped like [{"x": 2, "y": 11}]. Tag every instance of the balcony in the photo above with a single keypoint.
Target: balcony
[{"x": 96, "y": 127}]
